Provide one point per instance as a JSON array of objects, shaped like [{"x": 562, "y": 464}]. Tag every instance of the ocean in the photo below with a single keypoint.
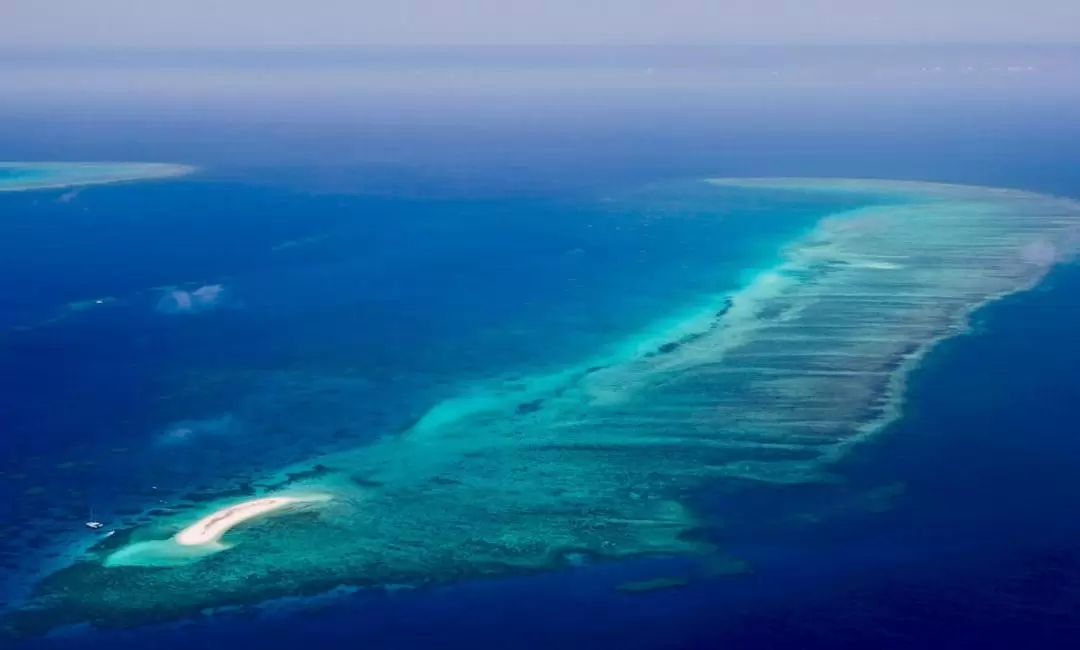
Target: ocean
[{"x": 162, "y": 339}]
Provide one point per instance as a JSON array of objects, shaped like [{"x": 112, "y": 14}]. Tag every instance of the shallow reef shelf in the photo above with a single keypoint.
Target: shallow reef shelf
[{"x": 804, "y": 361}]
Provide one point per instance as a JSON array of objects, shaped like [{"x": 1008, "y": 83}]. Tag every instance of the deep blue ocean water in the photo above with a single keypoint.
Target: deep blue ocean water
[{"x": 353, "y": 299}]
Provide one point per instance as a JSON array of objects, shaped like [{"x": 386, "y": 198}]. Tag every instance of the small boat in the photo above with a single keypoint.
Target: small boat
[{"x": 93, "y": 524}]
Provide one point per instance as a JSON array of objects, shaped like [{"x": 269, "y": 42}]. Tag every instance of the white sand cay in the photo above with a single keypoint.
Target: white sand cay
[
  {"x": 204, "y": 536},
  {"x": 212, "y": 527}
]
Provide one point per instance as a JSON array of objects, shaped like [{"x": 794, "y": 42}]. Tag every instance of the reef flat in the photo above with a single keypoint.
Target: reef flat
[
  {"x": 16, "y": 176},
  {"x": 772, "y": 383}
]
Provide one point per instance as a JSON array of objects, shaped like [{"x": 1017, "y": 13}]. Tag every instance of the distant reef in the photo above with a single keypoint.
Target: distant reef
[
  {"x": 597, "y": 460},
  {"x": 16, "y": 176}
]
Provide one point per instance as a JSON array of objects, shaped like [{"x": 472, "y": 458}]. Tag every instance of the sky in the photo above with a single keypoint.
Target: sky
[{"x": 266, "y": 24}]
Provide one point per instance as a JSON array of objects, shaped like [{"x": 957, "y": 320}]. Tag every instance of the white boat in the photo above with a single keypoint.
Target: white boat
[{"x": 93, "y": 524}]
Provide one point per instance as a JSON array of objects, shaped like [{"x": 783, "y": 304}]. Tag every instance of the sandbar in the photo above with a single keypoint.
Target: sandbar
[
  {"x": 212, "y": 527},
  {"x": 204, "y": 537}
]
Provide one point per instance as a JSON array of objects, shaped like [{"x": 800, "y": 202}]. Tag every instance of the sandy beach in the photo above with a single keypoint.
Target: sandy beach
[
  {"x": 203, "y": 537},
  {"x": 212, "y": 527}
]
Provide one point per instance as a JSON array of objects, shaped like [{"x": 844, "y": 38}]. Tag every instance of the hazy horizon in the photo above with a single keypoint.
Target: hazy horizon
[
  {"x": 34, "y": 24},
  {"x": 455, "y": 70}
]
